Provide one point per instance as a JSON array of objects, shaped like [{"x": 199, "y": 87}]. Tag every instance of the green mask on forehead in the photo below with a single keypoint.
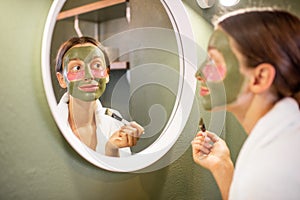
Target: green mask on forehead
[
  {"x": 233, "y": 80},
  {"x": 86, "y": 55},
  {"x": 83, "y": 53}
]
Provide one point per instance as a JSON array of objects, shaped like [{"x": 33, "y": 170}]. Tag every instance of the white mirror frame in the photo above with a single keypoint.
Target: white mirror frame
[{"x": 179, "y": 116}]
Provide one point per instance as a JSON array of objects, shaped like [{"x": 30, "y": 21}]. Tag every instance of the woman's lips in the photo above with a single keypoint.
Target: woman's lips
[
  {"x": 89, "y": 88},
  {"x": 204, "y": 91}
]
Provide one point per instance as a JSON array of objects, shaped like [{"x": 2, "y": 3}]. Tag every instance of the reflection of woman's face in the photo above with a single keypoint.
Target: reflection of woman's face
[
  {"x": 85, "y": 72},
  {"x": 219, "y": 72}
]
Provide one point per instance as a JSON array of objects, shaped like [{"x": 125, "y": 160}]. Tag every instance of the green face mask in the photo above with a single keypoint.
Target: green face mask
[
  {"x": 85, "y": 72},
  {"x": 224, "y": 81}
]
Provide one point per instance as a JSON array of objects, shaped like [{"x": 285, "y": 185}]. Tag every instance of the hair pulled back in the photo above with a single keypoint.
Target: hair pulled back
[{"x": 269, "y": 36}]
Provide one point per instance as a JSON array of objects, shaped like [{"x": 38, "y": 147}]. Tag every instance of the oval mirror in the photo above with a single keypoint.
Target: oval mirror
[{"x": 152, "y": 74}]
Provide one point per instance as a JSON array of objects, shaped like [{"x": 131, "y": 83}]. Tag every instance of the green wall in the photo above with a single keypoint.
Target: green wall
[{"x": 37, "y": 163}]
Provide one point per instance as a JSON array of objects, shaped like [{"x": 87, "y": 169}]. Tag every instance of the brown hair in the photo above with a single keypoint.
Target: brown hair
[
  {"x": 75, "y": 41},
  {"x": 269, "y": 36}
]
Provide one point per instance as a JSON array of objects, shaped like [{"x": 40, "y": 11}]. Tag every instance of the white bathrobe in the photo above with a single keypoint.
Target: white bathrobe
[
  {"x": 105, "y": 125},
  {"x": 268, "y": 165}
]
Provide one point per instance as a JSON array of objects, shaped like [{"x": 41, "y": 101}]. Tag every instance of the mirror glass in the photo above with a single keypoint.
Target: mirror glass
[{"x": 151, "y": 72}]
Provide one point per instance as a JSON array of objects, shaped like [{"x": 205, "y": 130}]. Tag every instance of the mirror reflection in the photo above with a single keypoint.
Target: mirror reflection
[
  {"x": 114, "y": 69},
  {"x": 82, "y": 67}
]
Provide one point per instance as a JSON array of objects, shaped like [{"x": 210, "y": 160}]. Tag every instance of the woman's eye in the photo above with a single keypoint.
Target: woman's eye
[
  {"x": 76, "y": 68},
  {"x": 97, "y": 66}
]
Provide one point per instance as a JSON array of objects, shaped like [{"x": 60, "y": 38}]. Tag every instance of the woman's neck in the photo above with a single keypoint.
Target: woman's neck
[
  {"x": 81, "y": 112},
  {"x": 82, "y": 121},
  {"x": 256, "y": 109}
]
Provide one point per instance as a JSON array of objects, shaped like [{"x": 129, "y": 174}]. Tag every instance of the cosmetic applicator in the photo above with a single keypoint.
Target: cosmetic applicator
[{"x": 115, "y": 116}]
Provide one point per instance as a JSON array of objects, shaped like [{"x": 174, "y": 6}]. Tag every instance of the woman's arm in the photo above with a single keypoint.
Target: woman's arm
[
  {"x": 212, "y": 153},
  {"x": 223, "y": 174},
  {"x": 111, "y": 150}
]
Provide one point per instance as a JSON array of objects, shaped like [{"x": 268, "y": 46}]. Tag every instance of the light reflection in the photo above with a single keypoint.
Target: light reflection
[{"x": 229, "y": 2}]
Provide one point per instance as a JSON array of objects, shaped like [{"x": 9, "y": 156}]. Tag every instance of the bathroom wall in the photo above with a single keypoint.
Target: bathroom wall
[{"x": 37, "y": 163}]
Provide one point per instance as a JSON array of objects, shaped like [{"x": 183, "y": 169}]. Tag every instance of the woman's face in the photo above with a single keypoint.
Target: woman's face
[
  {"x": 219, "y": 76},
  {"x": 85, "y": 72}
]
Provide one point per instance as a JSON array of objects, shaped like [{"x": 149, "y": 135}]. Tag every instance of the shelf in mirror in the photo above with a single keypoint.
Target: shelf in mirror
[
  {"x": 119, "y": 65},
  {"x": 97, "y": 12}
]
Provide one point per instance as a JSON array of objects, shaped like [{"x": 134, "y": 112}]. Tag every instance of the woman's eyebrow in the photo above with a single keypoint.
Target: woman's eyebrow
[
  {"x": 74, "y": 59},
  {"x": 96, "y": 57},
  {"x": 211, "y": 48}
]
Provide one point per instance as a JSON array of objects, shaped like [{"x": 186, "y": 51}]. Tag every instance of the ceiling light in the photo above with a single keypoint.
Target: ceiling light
[{"x": 229, "y": 2}]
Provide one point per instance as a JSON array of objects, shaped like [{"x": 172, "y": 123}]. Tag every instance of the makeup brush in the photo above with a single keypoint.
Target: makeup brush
[
  {"x": 202, "y": 125},
  {"x": 203, "y": 130},
  {"x": 115, "y": 116}
]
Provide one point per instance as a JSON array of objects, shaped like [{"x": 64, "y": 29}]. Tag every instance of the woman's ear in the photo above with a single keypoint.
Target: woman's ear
[
  {"x": 263, "y": 77},
  {"x": 61, "y": 80},
  {"x": 107, "y": 74}
]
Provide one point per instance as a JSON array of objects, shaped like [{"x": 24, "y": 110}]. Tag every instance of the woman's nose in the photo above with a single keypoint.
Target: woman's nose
[
  {"x": 200, "y": 78},
  {"x": 199, "y": 75},
  {"x": 88, "y": 75}
]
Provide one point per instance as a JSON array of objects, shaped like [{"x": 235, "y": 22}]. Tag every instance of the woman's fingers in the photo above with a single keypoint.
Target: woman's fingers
[
  {"x": 128, "y": 135},
  {"x": 204, "y": 150},
  {"x": 129, "y": 140},
  {"x": 140, "y": 129},
  {"x": 131, "y": 136},
  {"x": 130, "y": 130},
  {"x": 214, "y": 138},
  {"x": 135, "y": 129},
  {"x": 203, "y": 143}
]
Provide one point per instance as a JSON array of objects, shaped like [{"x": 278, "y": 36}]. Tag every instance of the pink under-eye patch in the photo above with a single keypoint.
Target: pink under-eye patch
[
  {"x": 214, "y": 72},
  {"x": 99, "y": 73},
  {"x": 72, "y": 76}
]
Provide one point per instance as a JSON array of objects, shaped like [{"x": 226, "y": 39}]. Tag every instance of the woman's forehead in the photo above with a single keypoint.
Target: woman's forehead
[{"x": 83, "y": 51}]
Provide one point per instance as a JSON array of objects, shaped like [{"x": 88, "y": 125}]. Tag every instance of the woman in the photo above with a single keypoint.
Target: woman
[
  {"x": 255, "y": 55},
  {"x": 82, "y": 67}
]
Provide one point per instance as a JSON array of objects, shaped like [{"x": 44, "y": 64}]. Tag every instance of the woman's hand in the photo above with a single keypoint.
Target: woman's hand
[
  {"x": 127, "y": 136},
  {"x": 209, "y": 150}
]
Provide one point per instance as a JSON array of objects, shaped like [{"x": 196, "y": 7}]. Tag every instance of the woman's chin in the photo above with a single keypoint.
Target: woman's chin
[
  {"x": 205, "y": 102},
  {"x": 208, "y": 105}
]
